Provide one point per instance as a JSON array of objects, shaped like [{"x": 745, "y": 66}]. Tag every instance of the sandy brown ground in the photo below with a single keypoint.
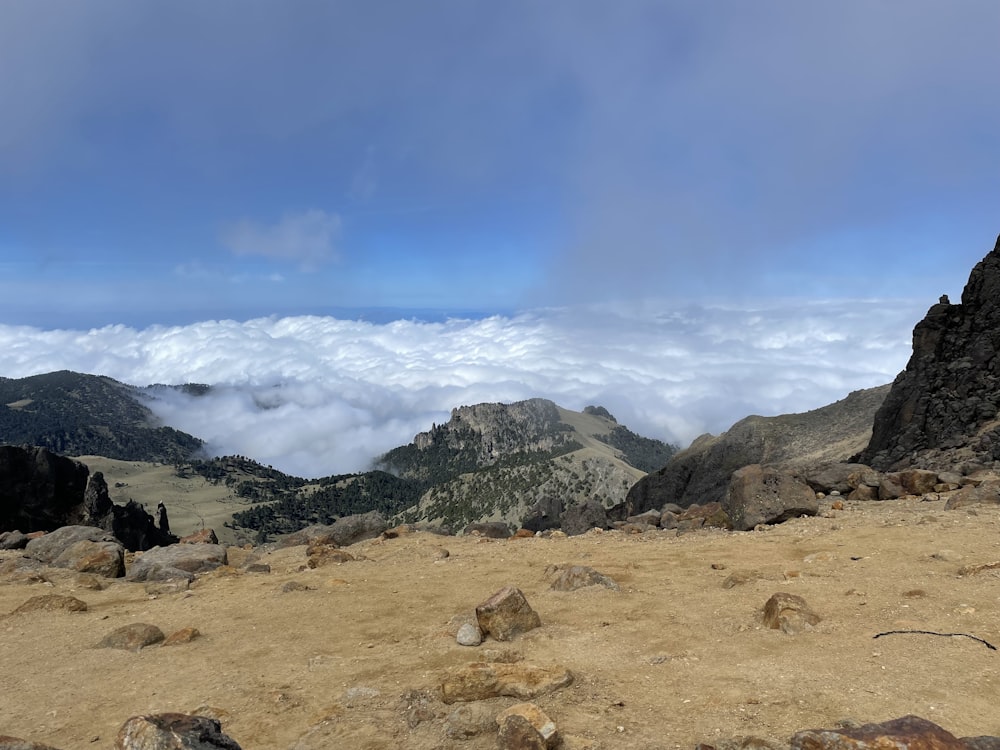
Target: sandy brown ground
[{"x": 672, "y": 660}]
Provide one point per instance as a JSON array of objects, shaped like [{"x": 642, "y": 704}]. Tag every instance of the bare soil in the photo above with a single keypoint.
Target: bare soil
[{"x": 673, "y": 659}]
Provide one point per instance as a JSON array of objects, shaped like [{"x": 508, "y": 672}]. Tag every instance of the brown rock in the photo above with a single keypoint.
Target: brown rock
[
  {"x": 204, "y": 536},
  {"x": 483, "y": 680},
  {"x": 173, "y": 731},
  {"x": 101, "y": 558},
  {"x": 52, "y": 602},
  {"x": 760, "y": 494},
  {"x": 987, "y": 493},
  {"x": 788, "y": 613},
  {"x": 184, "y": 635},
  {"x": 517, "y": 733},
  {"x": 863, "y": 493},
  {"x": 580, "y": 576},
  {"x": 132, "y": 637},
  {"x": 906, "y": 733},
  {"x": 918, "y": 481},
  {"x": 890, "y": 488},
  {"x": 318, "y": 555},
  {"x": 523, "y": 534},
  {"x": 506, "y": 614},
  {"x": 539, "y": 720},
  {"x": 698, "y": 516}
]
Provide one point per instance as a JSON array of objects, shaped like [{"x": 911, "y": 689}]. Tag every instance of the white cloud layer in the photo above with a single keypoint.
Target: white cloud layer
[{"x": 315, "y": 395}]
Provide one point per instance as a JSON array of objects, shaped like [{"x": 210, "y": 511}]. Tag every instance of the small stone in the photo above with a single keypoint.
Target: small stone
[
  {"x": 470, "y": 720},
  {"x": 469, "y": 635}
]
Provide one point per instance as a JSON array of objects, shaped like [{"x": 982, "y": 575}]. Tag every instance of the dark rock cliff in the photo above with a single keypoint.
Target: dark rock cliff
[{"x": 942, "y": 409}]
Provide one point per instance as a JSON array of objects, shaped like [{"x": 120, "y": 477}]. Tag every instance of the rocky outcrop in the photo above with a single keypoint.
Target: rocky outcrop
[
  {"x": 942, "y": 410},
  {"x": 40, "y": 490},
  {"x": 581, "y": 518},
  {"x": 700, "y": 474}
]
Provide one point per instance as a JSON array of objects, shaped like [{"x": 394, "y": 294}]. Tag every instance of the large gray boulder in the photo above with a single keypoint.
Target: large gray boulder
[
  {"x": 760, "y": 494},
  {"x": 581, "y": 518},
  {"x": 177, "y": 561}
]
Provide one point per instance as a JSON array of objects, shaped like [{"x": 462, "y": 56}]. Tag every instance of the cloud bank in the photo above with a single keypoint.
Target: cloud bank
[{"x": 317, "y": 395}]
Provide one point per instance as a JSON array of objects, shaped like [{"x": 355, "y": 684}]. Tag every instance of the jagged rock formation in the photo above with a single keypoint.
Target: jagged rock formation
[
  {"x": 700, "y": 474},
  {"x": 503, "y": 462},
  {"x": 942, "y": 409},
  {"x": 42, "y": 491},
  {"x": 39, "y": 490}
]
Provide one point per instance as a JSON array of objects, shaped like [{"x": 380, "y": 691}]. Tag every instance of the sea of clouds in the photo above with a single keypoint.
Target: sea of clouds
[{"x": 315, "y": 396}]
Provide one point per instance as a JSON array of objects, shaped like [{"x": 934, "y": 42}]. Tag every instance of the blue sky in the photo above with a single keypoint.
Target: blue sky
[
  {"x": 730, "y": 178},
  {"x": 171, "y": 162}
]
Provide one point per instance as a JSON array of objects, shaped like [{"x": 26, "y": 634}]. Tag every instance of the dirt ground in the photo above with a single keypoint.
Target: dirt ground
[{"x": 673, "y": 659}]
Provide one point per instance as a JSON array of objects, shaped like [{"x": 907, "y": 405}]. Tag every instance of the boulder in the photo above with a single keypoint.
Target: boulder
[
  {"x": 918, "y": 481},
  {"x": 537, "y": 719},
  {"x": 132, "y": 637},
  {"x": 484, "y": 680},
  {"x": 581, "y": 518},
  {"x": 759, "y": 494},
  {"x": 580, "y": 576},
  {"x": 40, "y": 490},
  {"x": 709, "y": 515},
  {"x": 545, "y": 514},
  {"x": 518, "y": 733},
  {"x": 13, "y": 540},
  {"x": 343, "y": 532},
  {"x": 836, "y": 477},
  {"x": 488, "y": 529},
  {"x": 789, "y": 613},
  {"x": 987, "y": 493},
  {"x": 506, "y": 614},
  {"x": 101, "y": 558},
  {"x": 909, "y": 732},
  {"x": 176, "y": 561},
  {"x": 172, "y": 731},
  {"x": 82, "y": 548},
  {"x": 52, "y": 602}
]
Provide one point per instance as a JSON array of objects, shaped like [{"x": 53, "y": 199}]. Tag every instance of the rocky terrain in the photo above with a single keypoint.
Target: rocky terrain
[{"x": 356, "y": 646}]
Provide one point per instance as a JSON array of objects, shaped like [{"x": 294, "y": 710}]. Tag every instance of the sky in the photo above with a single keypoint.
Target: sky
[{"x": 388, "y": 209}]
